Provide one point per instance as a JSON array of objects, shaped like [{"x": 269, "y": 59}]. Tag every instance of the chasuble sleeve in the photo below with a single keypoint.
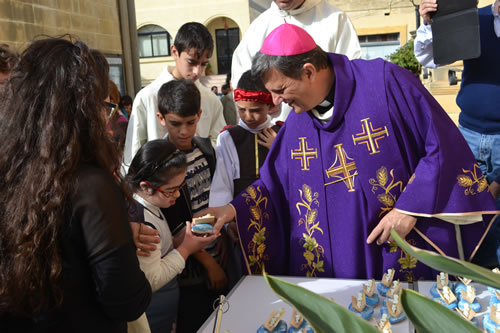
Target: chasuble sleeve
[
  {"x": 446, "y": 180},
  {"x": 262, "y": 214}
]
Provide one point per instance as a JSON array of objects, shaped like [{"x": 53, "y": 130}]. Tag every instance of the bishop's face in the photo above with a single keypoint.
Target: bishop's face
[
  {"x": 301, "y": 95},
  {"x": 289, "y": 4}
]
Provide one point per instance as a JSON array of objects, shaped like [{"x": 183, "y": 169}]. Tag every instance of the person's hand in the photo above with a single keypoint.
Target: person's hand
[
  {"x": 217, "y": 276},
  {"x": 495, "y": 189},
  {"x": 145, "y": 238},
  {"x": 223, "y": 215},
  {"x": 193, "y": 243},
  {"x": 266, "y": 137},
  {"x": 402, "y": 223},
  {"x": 426, "y": 8}
]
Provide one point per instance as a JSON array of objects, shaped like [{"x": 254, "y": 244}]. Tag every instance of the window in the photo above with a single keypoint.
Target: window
[
  {"x": 154, "y": 41},
  {"x": 378, "y": 46},
  {"x": 226, "y": 41},
  {"x": 116, "y": 72}
]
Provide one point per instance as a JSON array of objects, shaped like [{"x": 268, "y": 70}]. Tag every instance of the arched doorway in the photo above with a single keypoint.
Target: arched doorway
[{"x": 226, "y": 34}]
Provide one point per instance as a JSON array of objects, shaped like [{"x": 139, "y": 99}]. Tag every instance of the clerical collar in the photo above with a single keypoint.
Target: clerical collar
[{"x": 327, "y": 104}]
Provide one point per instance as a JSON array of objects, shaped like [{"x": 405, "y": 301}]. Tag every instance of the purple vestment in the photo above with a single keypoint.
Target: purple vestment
[{"x": 325, "y": 186}]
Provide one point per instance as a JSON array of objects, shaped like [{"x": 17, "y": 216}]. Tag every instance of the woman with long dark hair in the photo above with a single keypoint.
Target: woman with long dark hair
[{"x": 67, "y": 259}]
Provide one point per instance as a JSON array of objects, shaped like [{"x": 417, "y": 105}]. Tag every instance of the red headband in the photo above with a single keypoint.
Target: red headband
[{"x": 253, "y": 96}]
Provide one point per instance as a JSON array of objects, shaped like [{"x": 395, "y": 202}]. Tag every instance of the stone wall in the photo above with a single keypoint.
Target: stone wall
[{"x": 95, "y": 22}]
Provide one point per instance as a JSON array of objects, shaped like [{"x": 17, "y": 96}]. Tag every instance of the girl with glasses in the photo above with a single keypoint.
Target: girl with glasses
[{"x": 156, "y": 176}]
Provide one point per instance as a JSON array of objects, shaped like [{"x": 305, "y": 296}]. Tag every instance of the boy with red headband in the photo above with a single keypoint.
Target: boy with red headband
[{"x": 248, "y": 142}]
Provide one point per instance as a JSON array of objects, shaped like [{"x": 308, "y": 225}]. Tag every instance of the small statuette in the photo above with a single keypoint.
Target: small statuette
[
  {"x": 467, "y": 297},
  {"x": 370, "y": 288},
  {"x": 491, "y": 321},
  {"x": 386, "y": 282},
  {"x": 465, "y": 281},
  {"x": 296, "y": 320},
  {"x": 394, "y": 310},
  {"x": 461, "y": 285},
  {"x": 298, "y": 324},
  {"x": 387, "y": 279},
  {"x": 395, "y": 289},
  {"x": 384, "y": 325},
  {"x": 358, "y": 305},
  {"x": 274, "y": 323},
  {"x": 441, "y": 281},
  {"x": 372, "y": 298},
  {"x": 273, "y": 320},
  {"x": 447, "y": 298},
  {"x": 469, "y": 294},
  {"x": 467, "y": 312}
]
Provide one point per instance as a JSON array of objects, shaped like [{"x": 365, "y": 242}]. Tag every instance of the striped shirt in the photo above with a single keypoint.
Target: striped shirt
[{"x": 198, "y": 179}]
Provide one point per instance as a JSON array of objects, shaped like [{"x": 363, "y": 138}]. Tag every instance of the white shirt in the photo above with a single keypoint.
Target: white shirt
[
  {"x": 143, "y": 126},
  {"x": 423, "y": 41},
  {"x": 164, "y": 263},
  {"x": 330, "y": 28},
  {"x": 228, "y": 166}
]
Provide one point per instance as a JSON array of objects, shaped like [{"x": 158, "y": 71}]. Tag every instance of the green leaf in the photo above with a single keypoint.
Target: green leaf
[
  {"x": 323, "y": 314},
  {"x": 450, "y": 265},
  {"x": 430, "y": 316}
]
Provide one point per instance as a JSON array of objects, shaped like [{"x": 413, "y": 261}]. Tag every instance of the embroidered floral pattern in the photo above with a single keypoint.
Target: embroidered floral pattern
[
  {"x": 470, "y": 180},
  {"x": 257, "y": 247},
  {"x": 313, "y": 252},
  {"x": 406, "y": 261},
  {"x": 387, "y": 198}
]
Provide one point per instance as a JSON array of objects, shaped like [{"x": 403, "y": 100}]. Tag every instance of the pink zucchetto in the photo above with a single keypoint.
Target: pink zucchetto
[{"x": 287, "y": 40}]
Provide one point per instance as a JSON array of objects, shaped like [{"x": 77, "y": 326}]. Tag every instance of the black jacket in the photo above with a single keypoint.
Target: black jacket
[{"x": 102, "y": 283}]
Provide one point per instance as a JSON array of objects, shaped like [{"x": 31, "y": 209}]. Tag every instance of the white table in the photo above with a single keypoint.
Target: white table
[{"x": 252, "y": 301}]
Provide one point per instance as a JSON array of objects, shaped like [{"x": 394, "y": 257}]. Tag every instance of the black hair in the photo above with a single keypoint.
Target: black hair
[
  {"x": 225, "y": 86},
  {"x": 125, "y": 100},
  {"x": 251, "y": 82},
  {"x": 194, "y": 36},
  {"x": 290, "y": 66},
  {"x": 181, "y": 97},
  {"x": 156, "y": 162}
]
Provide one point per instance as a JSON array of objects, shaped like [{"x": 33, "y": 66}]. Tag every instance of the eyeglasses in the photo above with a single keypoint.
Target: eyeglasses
[
  {"x": 110, "y": 109},
  {"x": 170, "y": 191}
]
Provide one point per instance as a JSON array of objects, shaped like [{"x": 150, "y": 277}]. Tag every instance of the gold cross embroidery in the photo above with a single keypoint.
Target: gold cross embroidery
[
  {"x": 304, "y": 153},
  {"x": 343, "y": 169},
  {"x": 370, "y": 136}
]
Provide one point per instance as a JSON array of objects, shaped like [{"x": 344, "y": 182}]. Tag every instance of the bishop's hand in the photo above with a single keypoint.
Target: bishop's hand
[
  {"x": 223, "y": 215},
  {"x": 402, "y": 223}
]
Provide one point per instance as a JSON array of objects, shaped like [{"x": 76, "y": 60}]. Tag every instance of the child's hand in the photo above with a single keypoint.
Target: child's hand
[
  {"x": 217, "y": 277},
  {"x": 266, "y": 137},
  {"x": 192, "y": 243}
]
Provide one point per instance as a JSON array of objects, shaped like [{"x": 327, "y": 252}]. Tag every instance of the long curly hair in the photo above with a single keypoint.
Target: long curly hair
[{"x": 51, "y": 121}]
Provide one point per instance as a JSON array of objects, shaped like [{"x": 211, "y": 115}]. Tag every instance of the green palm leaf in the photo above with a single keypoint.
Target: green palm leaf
[
  {"x": 450, "y": 265},
  {"x": 323, "y": 314}
]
